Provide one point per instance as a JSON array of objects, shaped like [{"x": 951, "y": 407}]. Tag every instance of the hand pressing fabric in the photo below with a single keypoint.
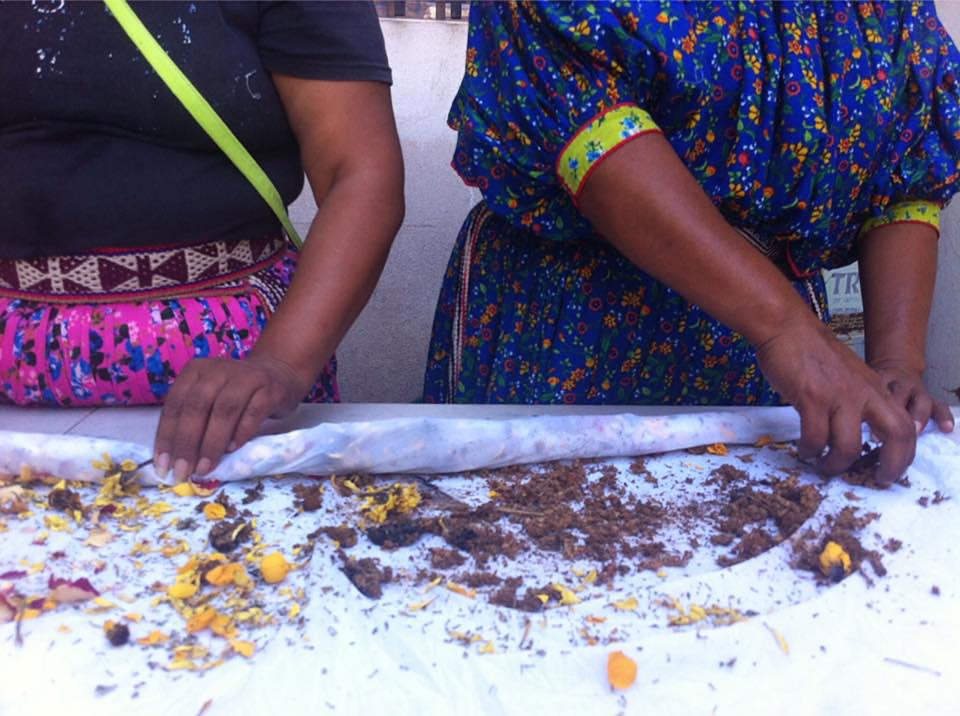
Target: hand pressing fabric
[
  {"x": 217, "y": 405},
  {"x": 355, "y": 169}
]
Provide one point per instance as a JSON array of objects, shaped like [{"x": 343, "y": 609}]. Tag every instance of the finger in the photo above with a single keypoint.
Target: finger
[
  {"x": 920, "y": 407},
  {"x": 845, "y": 442},
  {"x": 814, "y": 431},
  {"x": 258, "y": 409},
  {"x": 942, "y": 416},
  {"x": 895, "y": 428},
  {"x": 169, "y": 417},
  {"x": 225, "y": 414},
  {"x": 192, "y": 425}
]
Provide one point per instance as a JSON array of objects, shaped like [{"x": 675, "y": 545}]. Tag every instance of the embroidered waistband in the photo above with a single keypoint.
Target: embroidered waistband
[{"x": 138, "y": 273}]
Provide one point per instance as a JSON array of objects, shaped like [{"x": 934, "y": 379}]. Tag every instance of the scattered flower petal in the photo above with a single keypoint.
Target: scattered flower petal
[{"x": 621, "y": 670}]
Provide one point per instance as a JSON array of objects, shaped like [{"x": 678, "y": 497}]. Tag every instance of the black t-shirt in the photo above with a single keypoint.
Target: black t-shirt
[{"x": 96, "y": 152}]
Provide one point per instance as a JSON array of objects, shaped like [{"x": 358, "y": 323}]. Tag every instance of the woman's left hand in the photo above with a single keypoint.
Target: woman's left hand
[
  {"x": 218, "y": 404},
  {"x": 906, "y": 387}
]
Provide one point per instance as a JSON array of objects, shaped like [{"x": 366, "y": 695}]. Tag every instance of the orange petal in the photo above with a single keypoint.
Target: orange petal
[{"x": 621, "y": 670}]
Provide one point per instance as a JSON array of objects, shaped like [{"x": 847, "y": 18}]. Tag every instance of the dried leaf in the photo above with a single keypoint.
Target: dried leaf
[
  {"x": 223, "y": 626},
  {"x": 201, "y": 620},
  {"x": 68, "y": 591},
  {"x": 154, "y": 637},
  {"x": 204, "y": 488},
  {"x": 229, "y": 573},
  {"x": 717, "y": 449},
  {"x": 621, "y": 670},
  {"x": 8, "y": 612},
  {"x": 99, "y": 537}
]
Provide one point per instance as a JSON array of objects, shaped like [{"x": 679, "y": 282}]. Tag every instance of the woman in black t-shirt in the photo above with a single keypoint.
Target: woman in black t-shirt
[{"x": 137, "y": 263}]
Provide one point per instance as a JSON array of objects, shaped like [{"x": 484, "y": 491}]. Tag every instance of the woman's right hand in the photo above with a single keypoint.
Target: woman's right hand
[
  {"x": 835, "y": 392},
  {"x": 644, "y": 201}
]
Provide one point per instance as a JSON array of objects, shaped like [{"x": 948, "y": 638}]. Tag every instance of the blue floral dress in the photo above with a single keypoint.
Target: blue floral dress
[{"x": 806, "y": 123}]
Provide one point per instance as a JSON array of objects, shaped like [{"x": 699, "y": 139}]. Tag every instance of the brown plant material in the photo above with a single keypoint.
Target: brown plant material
[
  {"x": 366, "y": 575},
  {"x": 841, "y": 528},
  {"x": 64, "y": 500},
  {"x": 226, "y": 536}
]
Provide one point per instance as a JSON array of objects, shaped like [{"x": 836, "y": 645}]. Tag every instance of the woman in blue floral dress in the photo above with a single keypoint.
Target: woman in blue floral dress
[{"x": 662, "y": 185}]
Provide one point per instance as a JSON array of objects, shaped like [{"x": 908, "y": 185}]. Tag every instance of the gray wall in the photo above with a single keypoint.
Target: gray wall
[{"x": 382, "y": 358}]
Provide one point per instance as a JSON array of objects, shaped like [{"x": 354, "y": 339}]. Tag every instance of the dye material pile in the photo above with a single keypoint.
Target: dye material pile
[{"x": 720, "y": 573}]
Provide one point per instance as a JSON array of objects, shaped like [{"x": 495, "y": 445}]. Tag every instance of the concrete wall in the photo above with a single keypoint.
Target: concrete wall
[
  {"x": 943, "y": 341},
  {"x": 382, "y": 358}
]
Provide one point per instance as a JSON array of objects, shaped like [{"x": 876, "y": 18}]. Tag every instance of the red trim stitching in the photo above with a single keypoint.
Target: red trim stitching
[
  {"x": 906, "y": 221},
  {"x": 793, "y": 265}
]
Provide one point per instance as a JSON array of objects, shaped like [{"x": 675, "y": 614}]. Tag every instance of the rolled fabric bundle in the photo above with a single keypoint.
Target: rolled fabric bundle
[{"x": 417, "y": 445}]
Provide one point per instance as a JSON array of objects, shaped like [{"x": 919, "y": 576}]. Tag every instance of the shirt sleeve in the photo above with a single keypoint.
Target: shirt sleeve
[
  {"x": 323, "y": 41},
  {"x": 550, "y": 90},
  {"x": 921, "y": 171}
]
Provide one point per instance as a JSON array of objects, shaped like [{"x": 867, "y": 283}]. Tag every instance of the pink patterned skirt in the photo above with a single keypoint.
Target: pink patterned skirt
[{"x": 117, "y": 327}]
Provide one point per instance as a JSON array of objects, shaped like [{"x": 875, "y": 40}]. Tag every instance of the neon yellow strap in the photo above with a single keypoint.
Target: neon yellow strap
[{"x": 201, "y": 111}]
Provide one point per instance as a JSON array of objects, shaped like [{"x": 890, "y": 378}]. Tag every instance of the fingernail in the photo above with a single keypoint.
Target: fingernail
[
  {"x": 203, "y": 467},
  {"x": 232, "y": 446},
  {"x": 918, "y": 425},
  {"x": 181, "y": 470},
  {"x": 162, "y": 464}
]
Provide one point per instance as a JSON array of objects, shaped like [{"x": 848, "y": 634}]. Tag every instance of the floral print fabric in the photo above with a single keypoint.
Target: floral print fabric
[
  {"x": 804, "y": 123},
  {"x": 547, "y": 321},
  {"x": 800, "y": 120},
  {"x": 129, "y": 353}
]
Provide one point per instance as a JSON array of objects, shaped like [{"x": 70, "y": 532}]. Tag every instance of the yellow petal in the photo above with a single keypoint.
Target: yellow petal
[
  {"x": 245, "y": 648},
  {"x": 567, "y": 596},
  {"x": 832, "y": 556},
  {"x": 417, "y": 606},
  {"x": 214, "y": 511},
  {"x": 461, "y": 590},
  {"x": 182, "y": 590},
  {"x": 201, "y": 620},
  {"x": 183, "y": 489},
  {"x": 274, "y": 567},
  {"x": 627, "y": 605}
]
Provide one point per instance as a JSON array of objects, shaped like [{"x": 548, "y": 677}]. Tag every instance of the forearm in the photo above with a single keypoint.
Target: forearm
[
  {"x": 647, "y": 204},
  {"x": 343, "y": 256},
  {"x": 898, "y": 267}
]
